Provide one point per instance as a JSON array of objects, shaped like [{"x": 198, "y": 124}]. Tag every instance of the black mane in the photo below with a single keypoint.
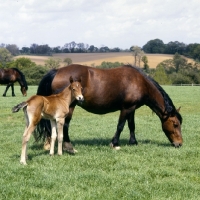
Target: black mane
[
  {"x": 169, "y": 106},
  {"x": 22, "y": 77}
]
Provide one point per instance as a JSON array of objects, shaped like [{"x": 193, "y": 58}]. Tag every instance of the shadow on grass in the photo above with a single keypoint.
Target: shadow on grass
[{"x": 123, "y": 142}]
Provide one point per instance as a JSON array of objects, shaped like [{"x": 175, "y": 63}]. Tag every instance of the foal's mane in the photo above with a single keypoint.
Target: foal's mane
[
  {"x": 169, "y": 106},
  {"x": 22, "y": 77}
]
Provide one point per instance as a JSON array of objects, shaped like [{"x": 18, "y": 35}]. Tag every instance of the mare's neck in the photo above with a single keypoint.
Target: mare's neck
[{"x": 155, "y": 101}]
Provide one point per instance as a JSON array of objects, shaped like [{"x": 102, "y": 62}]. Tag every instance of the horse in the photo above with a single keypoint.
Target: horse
[
  {"x": 125, "y": 88},
  {"x": 55, "y": 108},
  {"x": 9, "y": 76}
]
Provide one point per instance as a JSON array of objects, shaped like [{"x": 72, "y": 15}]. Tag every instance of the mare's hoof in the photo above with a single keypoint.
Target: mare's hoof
[
  {"x": 47, "y": 145},
  {"x": 114, "y": 147},
  {"x": 69, "y": 148}
]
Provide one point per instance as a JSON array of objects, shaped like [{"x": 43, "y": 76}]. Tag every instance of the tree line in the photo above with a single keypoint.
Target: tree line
[
  {"x": 153, "y": 46},
  {"x": 171, "y": 71},
  {"x": 157, "y": 46}
]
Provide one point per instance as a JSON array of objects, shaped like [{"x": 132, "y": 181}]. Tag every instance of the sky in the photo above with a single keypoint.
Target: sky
[{"x": 112, "y": 23}]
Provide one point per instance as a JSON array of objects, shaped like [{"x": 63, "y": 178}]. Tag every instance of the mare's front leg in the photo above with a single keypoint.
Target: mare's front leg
[
  {"x": 120, "y": 127},
  {"x": 53, "y": 136},
  {"x": 67, "y": 143},
  {"x": 26, "y": 137},
  {"x": 7, "y": 87},
  {"x": 131, "y": 125},
  {"x": 60, "y": 123},
  {"x": 12, "y": 87}
]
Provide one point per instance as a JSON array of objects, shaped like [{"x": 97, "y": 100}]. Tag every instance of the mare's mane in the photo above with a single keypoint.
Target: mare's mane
[
  {"x": 169, "y": 106},
  {"x": 22, "y": 77}
]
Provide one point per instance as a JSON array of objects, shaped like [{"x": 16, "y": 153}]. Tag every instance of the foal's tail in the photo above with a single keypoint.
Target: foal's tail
[{"x": 19, "y": 106}]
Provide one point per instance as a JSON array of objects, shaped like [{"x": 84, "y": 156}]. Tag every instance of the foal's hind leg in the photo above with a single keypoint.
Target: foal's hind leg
[{"x": 26, "y": 137}]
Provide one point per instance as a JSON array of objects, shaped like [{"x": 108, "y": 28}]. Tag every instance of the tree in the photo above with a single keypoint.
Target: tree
[
  {"x": 175, "y": 47},
  {"x": 5, "y": 57},
  {"x": 23, "y": 63},
  {"x": 154, "y": 46},
  {"x": 137, "y": 53},
  {"x": 25, "y": 50},
  {"x": 14, "y": 50},
  {"x": 160, "y": 76},
  {"x": 145, "y": 61},
  {"x": 68, "y": 61},
  {"x": 52, "y": 63},
  {"x": 179, "y": 62}
]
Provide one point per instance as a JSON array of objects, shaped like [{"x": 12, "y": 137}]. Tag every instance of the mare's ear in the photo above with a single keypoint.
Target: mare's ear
[
  {"x": 71, "y": 79},
  {"x": 178, "y": 110}
]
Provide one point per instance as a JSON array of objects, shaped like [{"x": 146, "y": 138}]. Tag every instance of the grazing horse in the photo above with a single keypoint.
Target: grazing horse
[
  {"x": 9, "y": 76},
  {"x": 124, "y": 88},
  {"x": 55, "y": 108}
]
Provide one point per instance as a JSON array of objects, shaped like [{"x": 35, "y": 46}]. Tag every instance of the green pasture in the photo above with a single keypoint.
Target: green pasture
[{"x": 153, "y": 170}]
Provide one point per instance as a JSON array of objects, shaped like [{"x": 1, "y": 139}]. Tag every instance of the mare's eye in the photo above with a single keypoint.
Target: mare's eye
[{"x": 175, "y": 125}]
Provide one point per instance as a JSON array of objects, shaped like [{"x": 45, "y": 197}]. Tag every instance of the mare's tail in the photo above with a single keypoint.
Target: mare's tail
[
  {"x": 19, "y": 106},
  {"x": 43, "y": 128}
]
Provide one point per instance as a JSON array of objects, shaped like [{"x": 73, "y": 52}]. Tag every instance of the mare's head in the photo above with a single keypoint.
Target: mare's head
[
  {"x": 171, "y": 126},
  {"x": 76, "y": 89},
  {"x": 22, "y": 81},
  {"x": 23, "y": 91}
]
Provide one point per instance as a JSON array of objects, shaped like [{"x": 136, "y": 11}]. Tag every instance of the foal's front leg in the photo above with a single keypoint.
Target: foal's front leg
[
  {"x": 60, "y": 124},
  {"x": 53, "y": 136}
]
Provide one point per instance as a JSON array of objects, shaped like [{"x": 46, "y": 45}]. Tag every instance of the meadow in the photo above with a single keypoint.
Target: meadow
[{"x": 153, "y": 170}]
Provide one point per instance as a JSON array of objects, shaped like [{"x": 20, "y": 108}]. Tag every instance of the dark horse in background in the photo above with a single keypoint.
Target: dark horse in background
[
  {"x": 125, "y": 88},
  {"x": 11, "y": 75}
]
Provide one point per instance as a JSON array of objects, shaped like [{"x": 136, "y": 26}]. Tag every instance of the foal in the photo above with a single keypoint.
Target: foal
[{"x": 55, "y": 108}]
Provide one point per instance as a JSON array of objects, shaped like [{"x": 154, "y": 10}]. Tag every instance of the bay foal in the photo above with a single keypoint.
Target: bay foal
[{"x": 55, "y": 108}]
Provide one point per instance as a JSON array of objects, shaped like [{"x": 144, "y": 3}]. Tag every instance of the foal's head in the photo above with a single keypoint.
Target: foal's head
[{"x": 76, "y": 89}]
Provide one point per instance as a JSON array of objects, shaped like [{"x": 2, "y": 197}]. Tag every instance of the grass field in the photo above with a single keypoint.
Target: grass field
[
  {"x": 97, "y": 58},
  {"x": 153, "y": 170}
]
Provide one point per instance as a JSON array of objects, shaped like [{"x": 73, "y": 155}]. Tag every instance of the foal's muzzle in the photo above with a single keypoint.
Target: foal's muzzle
[{"x": 80, "y": 99}]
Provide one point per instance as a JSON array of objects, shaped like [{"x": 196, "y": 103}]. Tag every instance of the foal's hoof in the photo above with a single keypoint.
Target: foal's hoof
[
  {"x": 115, "y": 147},
  {"x": 23, "y": 162}
]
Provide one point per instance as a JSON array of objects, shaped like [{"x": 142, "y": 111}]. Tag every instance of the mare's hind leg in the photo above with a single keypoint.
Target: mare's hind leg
[
  {"x": 53, "y": 136},
  {"x": 120, "y": 126},
  {"x": 26, "y": 137},
  {"x": 131, "y": 125},
  {"x": 7, "y": 87}
]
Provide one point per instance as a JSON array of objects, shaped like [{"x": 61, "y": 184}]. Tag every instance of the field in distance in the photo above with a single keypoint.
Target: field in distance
[{"x": 97, "y": 58}]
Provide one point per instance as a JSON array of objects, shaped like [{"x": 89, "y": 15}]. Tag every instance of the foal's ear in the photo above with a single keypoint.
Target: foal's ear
[
  {"x": 71, "y": 79},
  {"x": 178, "y": 110}
]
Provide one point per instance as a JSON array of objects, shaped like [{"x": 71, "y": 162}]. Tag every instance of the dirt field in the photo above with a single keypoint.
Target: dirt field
[{"x": 97, "y": 58}]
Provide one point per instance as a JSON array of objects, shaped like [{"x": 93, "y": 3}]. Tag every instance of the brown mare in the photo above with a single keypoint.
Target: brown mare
[
  {"x": 125, "y": 88},
  {"x": 55, "y": 108},
  {"x": 9, "y": 76}
]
